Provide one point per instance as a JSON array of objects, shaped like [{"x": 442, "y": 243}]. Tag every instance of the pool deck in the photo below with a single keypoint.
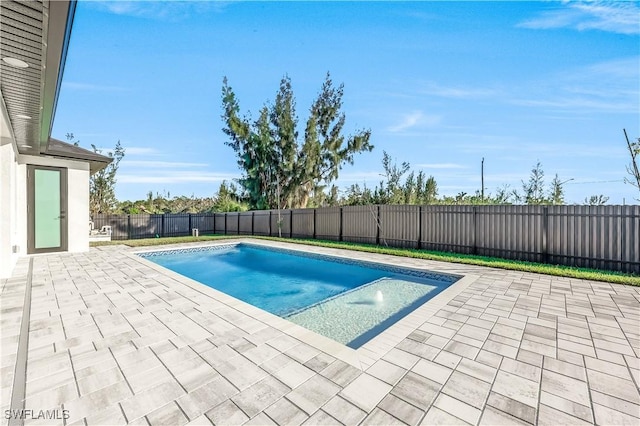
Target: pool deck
[{"x": 115, "y": 339}]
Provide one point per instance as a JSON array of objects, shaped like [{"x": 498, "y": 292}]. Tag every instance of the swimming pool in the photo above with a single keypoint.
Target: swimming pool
[{"x": 346, "y": 300}]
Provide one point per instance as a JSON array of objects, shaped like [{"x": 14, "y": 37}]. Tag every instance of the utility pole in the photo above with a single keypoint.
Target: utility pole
[{"x": 482, "y": 179}]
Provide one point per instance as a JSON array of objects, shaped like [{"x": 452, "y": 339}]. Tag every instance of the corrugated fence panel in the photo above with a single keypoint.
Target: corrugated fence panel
[
  {"x": 145, "y": 226},
  {"x": 261, "y": 222},
  {"x": 175, "y": 225},
  {"x": 448, "y": 228},
  {"x": 399, "y": 225},
  {"x": 246, "y": 220},
  {"x": 604, "y": 237},
  {"x": 203, "y": 222},
  {"x": 328, "y": 223},
  {"x": 232, "y": 223},
  {"x": 220, "y": 223},
  {"x": 631, "y": 254},
  {"x": 118, "y": 223},
  {"x": 284, "y": 217},
  {"x": 359, "y": 224},
  {"x": 303, "y": 223},
  {"x": 512, "y": 232}
]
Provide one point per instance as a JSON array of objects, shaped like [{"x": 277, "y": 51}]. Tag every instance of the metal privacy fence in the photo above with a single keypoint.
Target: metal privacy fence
[{"x": 603, "y": 237}]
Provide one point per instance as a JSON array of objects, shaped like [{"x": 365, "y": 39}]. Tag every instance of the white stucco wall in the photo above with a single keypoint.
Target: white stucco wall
[
  {"x": 8, "y": 205},
  {"x": 77, "y": 198},
  {"x": 13, "y": 198}
]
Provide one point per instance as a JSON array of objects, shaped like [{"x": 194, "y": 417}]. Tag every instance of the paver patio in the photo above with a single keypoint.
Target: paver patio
[{"x": 113, "y": 340}]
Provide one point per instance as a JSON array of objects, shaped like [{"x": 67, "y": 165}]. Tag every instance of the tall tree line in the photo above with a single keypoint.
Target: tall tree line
[{"x": 281, "y": 169}]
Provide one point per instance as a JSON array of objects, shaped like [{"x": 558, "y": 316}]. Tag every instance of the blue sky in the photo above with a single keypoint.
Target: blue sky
[{"x": 440, "y": 85}]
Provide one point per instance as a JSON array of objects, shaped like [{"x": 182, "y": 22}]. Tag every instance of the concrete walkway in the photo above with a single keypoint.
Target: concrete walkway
[{"x": 113, "y": 340}]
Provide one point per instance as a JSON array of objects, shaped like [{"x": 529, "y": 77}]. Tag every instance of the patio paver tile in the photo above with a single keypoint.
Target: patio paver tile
[
  {"x": 552, "y": 417},
  {"x": 462, "y": 410},
  {"x": 365, "y": 392},
  {"x": 322, "y": 418},
  {"x": 387, "y": 372},
  {"x": 380, "y": 417},
  {"x": 614, "y": 386},
  {"x": 512, "y": 407},
  {"x": 616, "y": 403},
  {"x": 259, "y": 396},
  {"x": 151, "y": 399},
  {"x": 436, "y": 416},
  {"x": 205, "y": 398},
  {"x": 200, "y": 421},
  {"x": 401, "y": 358},
  {"x": 340, "y": 372},
  {"x": 96, "y": 401},
  {"x": 99, "y": 380},
  {"x": 516, "y": 387},
  {"x": 401, "y": 409},
  {"x": 313, "y": 393},
  {"x": 283, "y": 412},
  {"x": 477, "y": 370},
  {"x": 576, "y": 340},
  {"x": 466, "y": 388},
  {"x": 344, "y": 411},
  {"x": 608, "y": 416},
  {"x": 565, "y": 387},
  {"x": 227, "y": 413},
  {"x": 169, "y": 414},
  {"x": 416, "y": 390},
  {"x": 559, "y": 403}
]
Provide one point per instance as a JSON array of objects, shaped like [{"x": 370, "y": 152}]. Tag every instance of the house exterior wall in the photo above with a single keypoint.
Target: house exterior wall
[
  {"x": 9, "y": 235},
  {"x": 13, "y": 200},
  {"x": 77, "y": 198}
]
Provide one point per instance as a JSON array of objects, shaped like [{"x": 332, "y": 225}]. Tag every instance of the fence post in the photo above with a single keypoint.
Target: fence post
[
  {"x": 128, "y": 226},
  {"x": 314, "y": 223},
  {"x": 340, "y": 228},
  {"x": 290, "y": 223},
  {"x": 225, "y": 224},
  {"x": 475, "y": 230},
  {"x": 378, "y": 225},
  {"x": 162, "y": 225},
  {"x": 545, "y": 234},
  {"x": 253, "y": 219},
  {"x": 238, "y": 223},
  {"x": 270, "y": 212},
  {"x": 214, "y": 223},
  {"x": 190, "y": 227},
  {"x": 420, "y": 228}
]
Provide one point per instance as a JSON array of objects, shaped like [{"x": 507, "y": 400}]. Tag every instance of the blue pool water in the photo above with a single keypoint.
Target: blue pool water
[{"x": 305, "y": 287}]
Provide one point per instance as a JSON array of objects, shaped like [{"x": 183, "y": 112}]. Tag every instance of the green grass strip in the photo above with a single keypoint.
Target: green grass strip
[{"x": 468, "y": 259}]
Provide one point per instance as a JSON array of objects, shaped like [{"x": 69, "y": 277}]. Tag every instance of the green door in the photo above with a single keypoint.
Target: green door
[{"x": 47, "y": 209}]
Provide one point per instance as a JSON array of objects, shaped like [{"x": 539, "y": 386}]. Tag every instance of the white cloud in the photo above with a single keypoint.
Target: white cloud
[
  {"x": 610, "y": 86},
  {"x": 160, "y": 164},
  {"x": 171, "y": 10},
  {"x": 138, "y": 150},
  {"x": 413, "y": 120},
  {"x": 441, "y": 166},
  {"x": 177, "y": 177},
  {"x": 618, "y": 17}
]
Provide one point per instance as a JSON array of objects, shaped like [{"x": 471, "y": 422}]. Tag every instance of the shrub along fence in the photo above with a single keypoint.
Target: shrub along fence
[{"x": 603, "y": 237}]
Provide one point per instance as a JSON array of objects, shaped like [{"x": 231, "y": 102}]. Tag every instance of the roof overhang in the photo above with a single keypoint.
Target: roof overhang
[
  {"x": 36, "y": 33},
  {"x": 67, "y": 151}
]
